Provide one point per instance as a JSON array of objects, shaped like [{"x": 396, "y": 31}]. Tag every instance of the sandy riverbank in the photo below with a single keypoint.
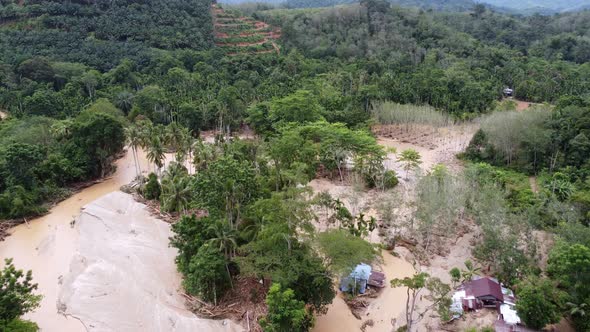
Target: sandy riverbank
[
  {"x": 47, "y": 244},
  {"x": 123, "y": 276}
]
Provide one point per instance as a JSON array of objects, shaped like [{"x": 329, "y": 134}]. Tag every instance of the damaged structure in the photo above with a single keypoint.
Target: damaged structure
[
  {"x": 361, "y": 277},
  {"x": 486, "y": 292}
]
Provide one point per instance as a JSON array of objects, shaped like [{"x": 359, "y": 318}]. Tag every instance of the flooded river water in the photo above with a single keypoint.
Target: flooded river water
[
  {"x": 388, "y": 306},
  {"x": 46, "y": 245}
]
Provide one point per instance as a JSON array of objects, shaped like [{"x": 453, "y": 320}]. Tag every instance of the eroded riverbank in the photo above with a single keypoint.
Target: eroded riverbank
[
  {"x": 47, "y": 244},
  {"x": 123, "y": 276}
]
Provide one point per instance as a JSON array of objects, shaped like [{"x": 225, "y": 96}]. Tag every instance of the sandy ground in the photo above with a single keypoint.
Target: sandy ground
[
  {"x": 3, "y": 115},
  {"x": 123, "y": 276},
  {"x": 522, "y": 105}
]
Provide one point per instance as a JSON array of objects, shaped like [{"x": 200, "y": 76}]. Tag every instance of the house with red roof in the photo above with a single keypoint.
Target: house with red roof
[{"x": 486, "y": 292}]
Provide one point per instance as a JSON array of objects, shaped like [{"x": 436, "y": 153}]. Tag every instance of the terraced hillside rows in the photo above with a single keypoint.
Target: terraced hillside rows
[{"x": 236, "y": 34}]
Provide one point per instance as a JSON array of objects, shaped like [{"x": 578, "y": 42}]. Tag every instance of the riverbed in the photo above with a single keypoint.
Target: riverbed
[
  {"x": 47, "y": 244},
  {"x": 387, "y": 308}
]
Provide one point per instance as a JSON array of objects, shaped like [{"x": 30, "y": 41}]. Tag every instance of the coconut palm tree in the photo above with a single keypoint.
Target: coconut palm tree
[
  {"x": 181, "y": 141},
  {"x": 61, "y": 129},
  {"x": 578, "y": 309},
  {"x": 133, "y": 135},
  {"x": 174, "y": 135},
  {"x": 189, "y": 146},
  {"x": 202, "y": 155},
  {"x": 156, "y": 154},
  {"x": 124, "y": 101},
  {"x": 470, "y": 271},
  {"x": 225, "y": 240},
  {"x": 176, "y": 193}
]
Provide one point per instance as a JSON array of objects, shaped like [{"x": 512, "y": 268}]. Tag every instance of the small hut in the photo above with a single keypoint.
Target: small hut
[{"x": 360, "y": 278}]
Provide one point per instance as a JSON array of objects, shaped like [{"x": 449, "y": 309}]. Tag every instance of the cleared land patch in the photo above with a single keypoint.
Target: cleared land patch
[{"x": 236, "y": 34}]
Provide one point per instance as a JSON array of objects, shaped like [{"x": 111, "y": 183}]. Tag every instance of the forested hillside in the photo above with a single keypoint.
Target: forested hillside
[
  {"x": 53, "y": 56},
  {"x": 451, "y": 5},
  {"x": 539, "y": 5},
  {"x": 101, "y": 33},
  {"x": 459, "y": 62}
]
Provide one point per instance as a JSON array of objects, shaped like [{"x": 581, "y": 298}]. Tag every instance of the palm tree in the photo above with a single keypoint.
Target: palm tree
[
  {"x": 174, "y": 135},
  {"x": 470, "y": 271},
  {"x": 124, "y": 101},
  {"x": 176, "y": 193},
  {"x": 225, "y": 240},
  {"x": 577, "y": 309},
  {"x": 133, "y": 135},
  {"x": 202, "y": 155},
  {"x": 61, "y": 129},
  {"x": 188, "y": 148},
  {"x": 411, "y": 159},
  {"x": 181, "y": 141},
  {"x": 156, "y": 153}
]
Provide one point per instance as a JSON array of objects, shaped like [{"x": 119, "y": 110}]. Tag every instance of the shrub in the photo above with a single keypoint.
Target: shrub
[
  {"x": 390, "y": 179},
  {"x": 21, "y": 325},
  {"x": 152, "y": 189}
]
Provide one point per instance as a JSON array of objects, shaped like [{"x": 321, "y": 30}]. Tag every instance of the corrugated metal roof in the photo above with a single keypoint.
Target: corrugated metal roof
[{"x": 485, "y": 287}]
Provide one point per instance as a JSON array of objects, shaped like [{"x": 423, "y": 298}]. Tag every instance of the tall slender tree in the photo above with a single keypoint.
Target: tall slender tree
[
  {"x": 156, "y": 154},
  {"x": 133, "y": 135}
]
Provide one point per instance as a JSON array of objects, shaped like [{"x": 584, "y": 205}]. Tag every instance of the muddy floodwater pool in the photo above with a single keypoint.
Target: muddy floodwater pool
[{"x": 46, "y": 245}]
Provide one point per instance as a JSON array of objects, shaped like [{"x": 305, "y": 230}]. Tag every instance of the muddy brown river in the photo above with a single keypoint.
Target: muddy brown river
[{"x": 46, "y": 245}]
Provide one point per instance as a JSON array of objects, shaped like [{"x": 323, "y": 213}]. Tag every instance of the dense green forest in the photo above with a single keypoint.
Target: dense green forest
[{"x": 81, "y": 80}]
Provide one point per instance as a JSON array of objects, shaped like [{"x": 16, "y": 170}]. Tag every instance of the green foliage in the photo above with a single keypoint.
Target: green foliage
[
  {"x": 569, "y": 265},
  {"x": 99, "y": 36},
  {"x": 39, "y": 156},
  {"x": 20, "y": 325},
  {"x": 206, "y": 275},
  {"x": 226, "y": 186},
  {"x": 439, "y": 296},
  {"x": 190, "y": 234},
  {"x": 345, "y": 251},
  {"x": 70, "y": 70},
  {"x": 538, "y": 303},
  {"x": 390, "y": 179},
  {"x": 176, "y": 191},
  {"x": 16, "y": 294},
  {"x": 300, "y": 107},
  {"x": 152, "y": 189},
  {"x": 411, "y": 160},
  {"x": 98, "y": 137},
  {"x": 285, "y": 312},
  {"x": 455, "y": 275}
]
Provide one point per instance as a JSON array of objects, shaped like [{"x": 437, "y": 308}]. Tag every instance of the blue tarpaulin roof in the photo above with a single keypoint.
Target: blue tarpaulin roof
[{"x": 358, "y": 277}]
